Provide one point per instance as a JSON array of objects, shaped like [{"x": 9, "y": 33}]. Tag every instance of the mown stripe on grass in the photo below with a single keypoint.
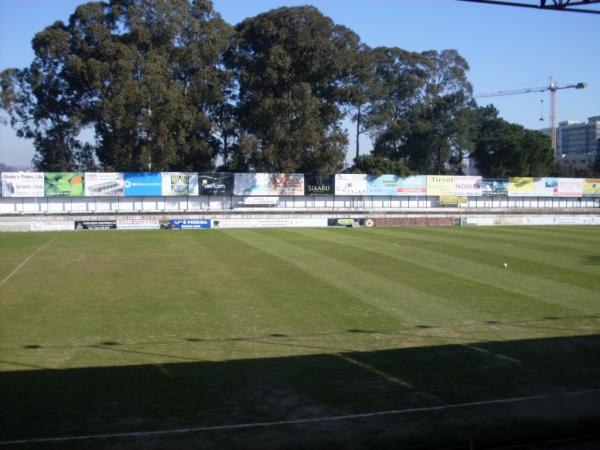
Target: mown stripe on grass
[
  {"x": 459, "y": 290},
  {"x": 488, "y": 286},
  {"x": 569, "y": 257},
  {"x": 545, "y": 265},
  {"x": 563, "y": 242},
  {"x": 296, "y": 301},
  {"x": 402, "y": 301},
  {"x": 557, "y": 271}
]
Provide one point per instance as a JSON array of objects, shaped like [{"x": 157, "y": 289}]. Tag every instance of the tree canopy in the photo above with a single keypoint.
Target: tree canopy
[
  {"x": 505, "y": 149},
  {"x": 171, "y": 86},
  {"x": 145, "y": 75}
]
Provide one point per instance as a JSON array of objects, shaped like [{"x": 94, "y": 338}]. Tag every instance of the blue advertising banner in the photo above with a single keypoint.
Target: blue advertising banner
[
  {"x": 143, "y": 184},
  {"x": 190, "y": 223},
  {"x": 396, "y": 185}
]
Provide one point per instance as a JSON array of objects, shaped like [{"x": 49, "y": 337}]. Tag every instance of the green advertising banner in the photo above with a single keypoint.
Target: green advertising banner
[{"x": 63, "y": 184}]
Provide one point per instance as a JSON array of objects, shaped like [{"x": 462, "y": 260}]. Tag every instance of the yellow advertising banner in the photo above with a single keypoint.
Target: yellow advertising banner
[
  {"x": 521, "y": 186},
  {"x": 591, "y": 187},
  {"x": 442, "y": 185},
  {"x": 453, "y": 200}
]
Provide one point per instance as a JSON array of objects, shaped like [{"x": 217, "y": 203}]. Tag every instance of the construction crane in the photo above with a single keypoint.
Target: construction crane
[{"x": 553, "y": 87}]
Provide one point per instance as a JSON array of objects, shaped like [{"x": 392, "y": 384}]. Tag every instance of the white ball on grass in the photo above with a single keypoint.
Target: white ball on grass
[{"x": 505, "y": 265}]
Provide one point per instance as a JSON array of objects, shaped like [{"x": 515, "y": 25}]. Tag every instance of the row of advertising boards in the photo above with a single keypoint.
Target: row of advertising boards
[{"x": 158, "y": 184}]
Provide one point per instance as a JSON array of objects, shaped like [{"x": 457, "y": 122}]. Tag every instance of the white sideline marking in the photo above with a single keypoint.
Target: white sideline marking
[
  {"x": 292, "y": 421},
  {"x": 25, "y": 262}
]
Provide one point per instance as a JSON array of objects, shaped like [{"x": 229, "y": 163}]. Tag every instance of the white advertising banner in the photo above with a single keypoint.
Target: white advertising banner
[
  {"x": 546, "y": 187},
  {"x": 138, "y": 224},
  {"x": 569, "y": 187},
  {"x": 467, "y": 186},
  {"x": 351, "y": 184},
  {"x": 104, "y": 184},
  {"x": 53, "y": 225},
  {"x": 22, "y": 184},
  {"x": 179, "y": 183},
  {"x": 270, "y": 222},
  {"x": 268, "y": 184}
]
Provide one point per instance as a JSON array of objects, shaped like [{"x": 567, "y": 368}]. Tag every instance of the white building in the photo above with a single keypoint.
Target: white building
[{"x": 577, "y": 143}]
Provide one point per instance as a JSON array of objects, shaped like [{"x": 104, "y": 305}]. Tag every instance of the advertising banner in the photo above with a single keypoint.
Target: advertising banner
[
  {"x": 467, "y": 186},
  {"x": 95, "y": 224},
  {"x": 261, "y": 201},
  {"x": 350, "y": 184},
  {"x": 139, "y": 184},
  {"x": 440, "y": 184},
  {"x": 494, "y": 187},
  {"x": 215, "y": 183},
  {"x": 546, "y": 187},
  {"x": 591, "y": 187},
  {"x": 452, "y": 200},
  {"x": 521, "y": 187},
  {"x": 393, "y": 185},
  {"x": 22, "y": 184},
  {"x": 107, "y": 184},
  {"x": 185, "y": 224},
  {"x": 138, "y": 224},
  {"x": 346, "y": 222},
  {"x": 569, "y": 187},
  {"x": 63, "y": 184},
  {"x": 270, "y": 222},
  {"x": 52, "y": 225},
  {"x": 319, "y": 185},
  {"x": 268, "y": 184},
  {"x": 179, "y": 183}
]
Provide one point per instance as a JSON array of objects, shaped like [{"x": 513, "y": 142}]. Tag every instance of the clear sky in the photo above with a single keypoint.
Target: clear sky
[{"x": 507, "y": 48}]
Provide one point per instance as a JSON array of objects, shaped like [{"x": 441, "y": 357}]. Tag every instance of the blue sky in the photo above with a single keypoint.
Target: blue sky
[{"x": 507, "y": 48}]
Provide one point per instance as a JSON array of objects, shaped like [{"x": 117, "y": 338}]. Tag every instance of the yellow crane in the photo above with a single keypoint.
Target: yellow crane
[{"x": 553, "y": 87}]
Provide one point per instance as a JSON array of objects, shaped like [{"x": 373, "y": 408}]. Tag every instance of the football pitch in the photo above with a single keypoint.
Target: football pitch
[{"x": 303, "y": 338}]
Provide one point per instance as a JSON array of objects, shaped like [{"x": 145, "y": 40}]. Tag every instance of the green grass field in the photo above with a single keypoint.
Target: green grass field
[{"x": 122, "y": 332}]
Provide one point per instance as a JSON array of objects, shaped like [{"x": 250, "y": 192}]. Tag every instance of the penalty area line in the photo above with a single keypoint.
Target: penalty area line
[
  {"x": 25, "y": 262},
  {"x": 307, "y": 420}
]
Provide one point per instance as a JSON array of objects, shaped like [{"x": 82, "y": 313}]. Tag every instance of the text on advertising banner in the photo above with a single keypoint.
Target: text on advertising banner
[
  {"x": 215, "y": 183},
  {"x": 319, "y": 184},
  {"x": 268, "y": 184},
  {"x": 63, "y": 184},
  {"x": 440, "y": 185},
  {"x": 183, "y": 224},
  {"x": 179, "y": 183},
  {"x": 392, "y": 185},
  {"x": 104, "y": 184},
  {"x": 22, "y": 184},
  {"x": 139, "y": 184},
  {"x": 467, "y": 186},
  {"x": 350, "y": 184}
]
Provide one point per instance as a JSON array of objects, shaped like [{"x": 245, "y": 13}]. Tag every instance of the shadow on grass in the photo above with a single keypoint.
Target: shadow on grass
[
  {"x": 593, "y": 260},
  {"x": 45, "y": 403}
]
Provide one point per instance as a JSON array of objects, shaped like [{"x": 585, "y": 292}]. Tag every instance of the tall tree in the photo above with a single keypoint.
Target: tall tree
[
  {"x": 294, "y": 68},
  {"x": 506, "y": 149},
  {"x": 145, "y": 74},
  {"x": 419, "y": 112}
]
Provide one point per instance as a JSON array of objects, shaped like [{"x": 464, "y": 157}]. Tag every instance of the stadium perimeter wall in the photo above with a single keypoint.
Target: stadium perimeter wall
[{"x": 299, "y": 217}]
